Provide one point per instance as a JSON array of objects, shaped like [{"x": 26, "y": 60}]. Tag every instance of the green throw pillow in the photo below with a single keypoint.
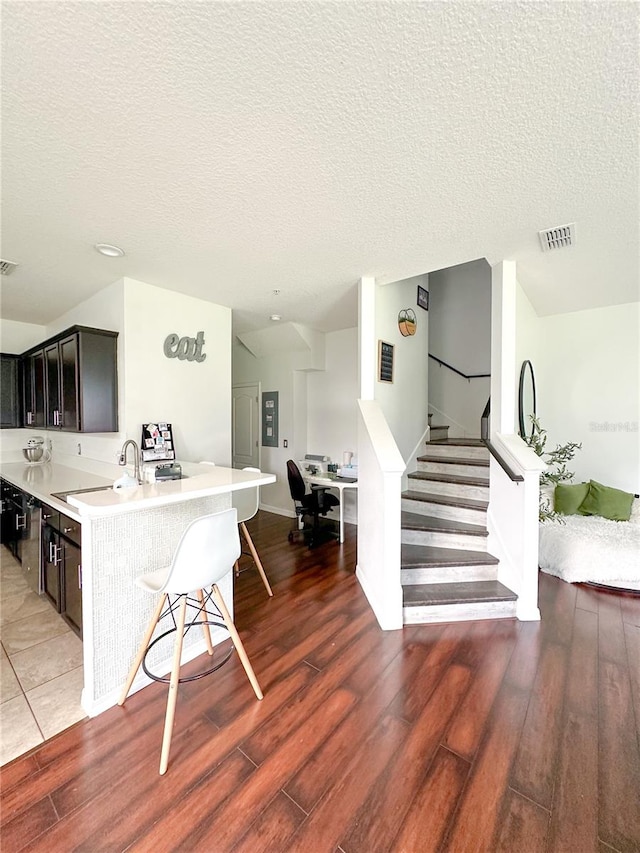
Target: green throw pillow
[
  {"x": 567, "y": 498},
  {"x": 607, "y": 502}
]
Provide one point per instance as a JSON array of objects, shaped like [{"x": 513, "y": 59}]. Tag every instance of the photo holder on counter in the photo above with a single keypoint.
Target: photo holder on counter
[
  {"x": 270, "y": 419},
  {"x": 157, "y": 442},
  {"x": 385, "y": 362}
]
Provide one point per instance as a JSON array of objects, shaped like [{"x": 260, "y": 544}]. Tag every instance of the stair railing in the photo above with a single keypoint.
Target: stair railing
[
  {"x": 493, "y": 450},
  {"x": 484, "y": 421},
  {"x": 468, "y": 376}
]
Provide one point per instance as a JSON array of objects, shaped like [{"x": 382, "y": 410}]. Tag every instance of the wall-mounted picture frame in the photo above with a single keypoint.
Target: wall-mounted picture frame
[
  {"x": 385, "y": 362},
  {"x": 270, "y": 416},
  {"x": 423, "y": 298}
]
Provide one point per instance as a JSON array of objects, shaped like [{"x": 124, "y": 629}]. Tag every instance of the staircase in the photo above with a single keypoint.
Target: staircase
[{"x": 447, "y": 573}]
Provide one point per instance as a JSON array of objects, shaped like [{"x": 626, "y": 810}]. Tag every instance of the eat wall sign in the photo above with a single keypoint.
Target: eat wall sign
[{"x": 185, "y": 348}]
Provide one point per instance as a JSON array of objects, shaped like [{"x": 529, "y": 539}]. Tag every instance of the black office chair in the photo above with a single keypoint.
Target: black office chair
[{"x": 316, "y": 503}]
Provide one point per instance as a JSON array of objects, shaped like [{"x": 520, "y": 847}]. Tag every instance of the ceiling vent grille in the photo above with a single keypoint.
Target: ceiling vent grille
[
  {"x": 558, "y": 238},
  {"x": 7, "y": 267}
]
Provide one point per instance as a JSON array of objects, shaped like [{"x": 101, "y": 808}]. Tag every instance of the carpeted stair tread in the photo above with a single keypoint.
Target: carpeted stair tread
[
  {"x": 445, "y": 500},
  {"x": 455, "y": 460},
  {"x": 415, "y": 521},
  {"x": 456, "y": 479},
  {"x": 456, "y": 593},
  {"x": 428, "y": 556}
]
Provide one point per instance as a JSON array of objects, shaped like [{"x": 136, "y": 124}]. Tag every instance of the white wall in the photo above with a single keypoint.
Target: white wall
[
  {"x": 194, "y": 396},
  {"x": 17, "y": 337},
  {"x": 588, "y": 382},
  {"x": 460, "y": 334},
  {"x": 317, "y": 406},
  {"x": 460, "y": 316},
  {"x": 528, "y": 343},
  {"x": 277, "y": 372},
  {"x": 332, "y": 394},
  {"x": 404, "y": 401}
]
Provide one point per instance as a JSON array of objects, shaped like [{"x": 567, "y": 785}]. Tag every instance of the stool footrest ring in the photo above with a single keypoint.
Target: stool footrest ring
[{"x": 165, "y": 679}]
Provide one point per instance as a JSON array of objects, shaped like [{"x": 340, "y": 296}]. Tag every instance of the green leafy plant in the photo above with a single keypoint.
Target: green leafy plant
[{"x": 556, "y": 461}]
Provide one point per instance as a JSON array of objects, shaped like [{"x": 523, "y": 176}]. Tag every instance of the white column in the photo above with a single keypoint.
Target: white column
[
  {"x": 503, "y": 347},
  {"x": 367, "y": 337}
]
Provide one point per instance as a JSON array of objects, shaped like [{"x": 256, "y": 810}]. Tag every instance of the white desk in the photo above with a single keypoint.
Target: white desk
[{"x": 331, "y": 483}]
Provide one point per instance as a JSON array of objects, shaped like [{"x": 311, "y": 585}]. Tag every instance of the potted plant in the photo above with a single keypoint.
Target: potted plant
[{"x": 556, "y": 461}]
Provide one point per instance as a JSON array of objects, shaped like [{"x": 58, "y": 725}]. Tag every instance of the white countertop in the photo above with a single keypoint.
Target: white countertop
[{"x": 202, "y": 480}]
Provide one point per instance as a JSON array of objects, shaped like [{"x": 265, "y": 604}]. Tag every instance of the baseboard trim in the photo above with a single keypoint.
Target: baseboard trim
[{"x": 97, "y": 706}]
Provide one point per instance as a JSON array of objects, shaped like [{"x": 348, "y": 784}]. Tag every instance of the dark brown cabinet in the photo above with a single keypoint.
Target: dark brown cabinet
[
  {"x": 51, "y": 557},
  {"x": 9, "y": 391},
  {"x": 34, "y": 384},
  {"x": 12, "y": 518},
  {"x": 61, "y": 360},
  {"x": 62, "y": 565},
  {"x": 79, "y": 381},
  {"x": 72, "y": 591}
]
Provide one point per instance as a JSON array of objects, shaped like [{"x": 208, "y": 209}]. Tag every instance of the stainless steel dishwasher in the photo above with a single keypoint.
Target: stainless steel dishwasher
[{"x": 31, "y": 552}]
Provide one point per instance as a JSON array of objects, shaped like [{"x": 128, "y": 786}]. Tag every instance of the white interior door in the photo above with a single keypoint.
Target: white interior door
[{"x": 245, "y": 425}]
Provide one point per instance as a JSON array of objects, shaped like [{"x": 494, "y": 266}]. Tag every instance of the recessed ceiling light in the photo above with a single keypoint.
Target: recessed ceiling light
[
  {"x": 275, "y": 317},
  {"x": 109, "y": 251}
]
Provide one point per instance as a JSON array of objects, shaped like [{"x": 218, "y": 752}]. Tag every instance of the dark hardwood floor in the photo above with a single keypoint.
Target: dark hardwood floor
[{"x": 479, "y": 736}]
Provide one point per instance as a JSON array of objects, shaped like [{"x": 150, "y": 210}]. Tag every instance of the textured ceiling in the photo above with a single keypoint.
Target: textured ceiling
[{"x": 236, "y": 148}]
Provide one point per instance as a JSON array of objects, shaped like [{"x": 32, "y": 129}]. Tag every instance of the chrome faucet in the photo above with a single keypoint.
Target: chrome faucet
[{"x": 136, "y": 457}]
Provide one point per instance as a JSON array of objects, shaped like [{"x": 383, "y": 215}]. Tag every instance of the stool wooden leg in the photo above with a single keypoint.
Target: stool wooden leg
[
  {"x": 205, "y": 628},
  {"x": 143, "y": 648},
  {"x": 237, "y": 642},
  {"x": 256, "y": 558},
  {"x": 173, "y": 688}
]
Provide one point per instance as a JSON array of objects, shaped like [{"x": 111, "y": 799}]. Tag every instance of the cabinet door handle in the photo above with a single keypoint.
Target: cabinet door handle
[
  {"x": 21, "y": 525},
  {"x": 51, "y": 552},
  {"x": 79, "y": 577},
  {"x": 68, "y": 529},
  {"x": 56, "y": 556}
]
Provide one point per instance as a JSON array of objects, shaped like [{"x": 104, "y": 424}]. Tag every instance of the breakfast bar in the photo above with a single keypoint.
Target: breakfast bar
[{"x": 126, "y": 533}]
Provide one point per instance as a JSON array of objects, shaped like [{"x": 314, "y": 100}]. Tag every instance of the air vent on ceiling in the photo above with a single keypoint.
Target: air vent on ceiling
[
  {"x": 7, "y": 267},
  {"x": 558, "y": 238}
]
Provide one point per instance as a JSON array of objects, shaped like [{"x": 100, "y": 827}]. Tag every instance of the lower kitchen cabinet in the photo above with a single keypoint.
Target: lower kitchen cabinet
[
  {"x": 62, "y": 565},
  {"x": 72, "y": 591},
  {"x": 51, "y": 563}
]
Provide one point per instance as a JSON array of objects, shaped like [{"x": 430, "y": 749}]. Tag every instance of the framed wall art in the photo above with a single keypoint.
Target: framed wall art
[
  {"x": 423, "y": 298},
  {"x": 385, "y": 362}
]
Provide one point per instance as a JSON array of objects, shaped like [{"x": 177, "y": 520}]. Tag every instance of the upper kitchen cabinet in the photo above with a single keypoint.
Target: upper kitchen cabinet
[
  {"x": 33, "y": 375},
  {"x": 9, "y": 391},
  {"x": 80, "y": 381}
]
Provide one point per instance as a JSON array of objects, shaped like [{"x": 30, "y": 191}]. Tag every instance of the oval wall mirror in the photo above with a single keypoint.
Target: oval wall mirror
[{"x": 526, "y": 399}]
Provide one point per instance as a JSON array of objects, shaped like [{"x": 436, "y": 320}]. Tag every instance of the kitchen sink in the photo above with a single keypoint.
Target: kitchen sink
[{"x": 62, "y": 496}]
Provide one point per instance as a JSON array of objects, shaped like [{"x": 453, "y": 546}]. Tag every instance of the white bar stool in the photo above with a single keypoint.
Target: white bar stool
[
  {"x": 246, "y": 501},
  {"x": 208, "y": 549}
]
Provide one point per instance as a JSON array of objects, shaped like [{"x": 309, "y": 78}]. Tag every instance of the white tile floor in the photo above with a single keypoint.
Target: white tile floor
[{"x": 41, "y": 672}]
